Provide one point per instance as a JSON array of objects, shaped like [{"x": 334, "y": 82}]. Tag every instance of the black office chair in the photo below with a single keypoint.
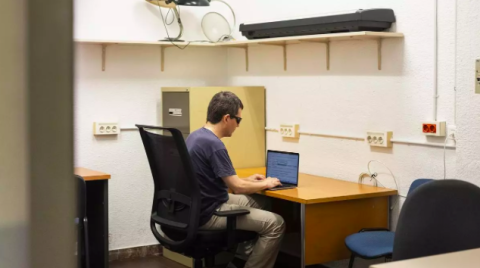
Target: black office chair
[
  {"x": 439, "y": 217},
  {"x": 176, "y": 201},
  {"x": 82, "y": 224},
  {"x": 373, "y": 243}
]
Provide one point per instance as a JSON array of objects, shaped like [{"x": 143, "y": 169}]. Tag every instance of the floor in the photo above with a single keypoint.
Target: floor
[
  {"x": 149, "y": 262},
  {"x": 162, "y": 262}
]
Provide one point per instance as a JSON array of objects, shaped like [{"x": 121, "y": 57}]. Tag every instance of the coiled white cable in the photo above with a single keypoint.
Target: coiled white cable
[{"x": 376, "y": 182}]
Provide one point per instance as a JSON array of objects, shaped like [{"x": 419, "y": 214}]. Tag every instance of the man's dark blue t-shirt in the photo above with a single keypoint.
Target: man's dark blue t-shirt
[{"x": 211, "y": 163}]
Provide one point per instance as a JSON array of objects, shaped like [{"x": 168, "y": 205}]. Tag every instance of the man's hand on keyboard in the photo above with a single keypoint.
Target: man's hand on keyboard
[{"x": 272, "y": 182}]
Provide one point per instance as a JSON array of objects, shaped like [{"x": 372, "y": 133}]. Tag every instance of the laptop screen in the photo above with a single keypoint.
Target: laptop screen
[{"x": 284, "y": 166}]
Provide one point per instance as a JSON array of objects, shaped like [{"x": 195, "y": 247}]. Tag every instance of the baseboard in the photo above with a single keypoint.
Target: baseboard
[{"x": 136, "y": 252}]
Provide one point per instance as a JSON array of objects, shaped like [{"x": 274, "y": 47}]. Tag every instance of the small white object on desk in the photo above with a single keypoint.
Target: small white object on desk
[{"x": 460, "y": 259}]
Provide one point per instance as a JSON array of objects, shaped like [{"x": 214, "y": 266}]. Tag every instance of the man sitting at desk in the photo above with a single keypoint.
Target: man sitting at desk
[{"x": 216, "y": 174}]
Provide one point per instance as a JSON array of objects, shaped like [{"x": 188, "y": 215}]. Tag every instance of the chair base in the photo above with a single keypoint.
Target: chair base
[
  {"x": 197, "y": 263},
  {"x": 209, "y": 262},
  {"x": 352, "y": 259}
]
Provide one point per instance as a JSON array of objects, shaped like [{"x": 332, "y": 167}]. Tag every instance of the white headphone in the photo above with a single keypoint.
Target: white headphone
[{"x": 206, "y": 29}]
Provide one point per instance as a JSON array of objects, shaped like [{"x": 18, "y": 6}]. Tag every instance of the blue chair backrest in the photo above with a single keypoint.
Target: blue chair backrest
[
  {"x": 417, "y": 183},
  {"x": 439, "y": 217}
]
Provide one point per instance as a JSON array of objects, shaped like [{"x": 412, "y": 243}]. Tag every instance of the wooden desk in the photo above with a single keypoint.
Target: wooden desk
[
  {"x": 91, "y": 175},
  {"x": 97, "y": 214},
  {"x": 463, "y": 259},
  {"x": 330, "y": 210}
]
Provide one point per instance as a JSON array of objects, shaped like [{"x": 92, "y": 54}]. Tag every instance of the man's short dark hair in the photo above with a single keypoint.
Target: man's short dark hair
[{"x": 224, "y": 102}]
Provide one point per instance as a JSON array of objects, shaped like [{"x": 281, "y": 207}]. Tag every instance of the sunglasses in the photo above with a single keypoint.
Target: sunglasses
[{"x": 239, "y": 119}]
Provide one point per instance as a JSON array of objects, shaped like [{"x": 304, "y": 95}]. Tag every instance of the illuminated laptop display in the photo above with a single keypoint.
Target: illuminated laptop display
[{"x": 284, "y": 166}]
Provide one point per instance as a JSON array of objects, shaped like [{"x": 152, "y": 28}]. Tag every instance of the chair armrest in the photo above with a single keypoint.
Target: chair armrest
[
  {"x": 373, "y": 230},
  {"x": 231, "y": 213},
  {"x": 231, "y": 224}
]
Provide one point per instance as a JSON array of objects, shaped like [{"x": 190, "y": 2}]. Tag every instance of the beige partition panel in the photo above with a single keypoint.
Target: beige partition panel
[
  {"x": 247, "y": 145},
  {"x": 178, "y": 257}
]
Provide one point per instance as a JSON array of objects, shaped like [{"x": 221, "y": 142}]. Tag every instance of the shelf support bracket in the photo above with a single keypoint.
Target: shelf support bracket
[
  {"x": 284, "y": 46},
  {"x": 246, "y": 58},
  {"x": 246, "y": 55},
  {"x": 162, "y": 58},
  {"x": 328, "y": 55},
  {"x": 104, "y": 56},
  {"x": 327, "y": 50},
  {"x": 162, "y": 55},
  {"x": 379, "y": 53}
]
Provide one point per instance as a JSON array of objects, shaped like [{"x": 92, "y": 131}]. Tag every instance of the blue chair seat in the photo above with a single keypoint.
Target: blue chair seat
[{"x": 372, "y": 244}]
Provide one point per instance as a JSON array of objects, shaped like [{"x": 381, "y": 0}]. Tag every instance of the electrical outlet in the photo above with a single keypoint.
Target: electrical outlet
[
  {"x": 289, "y": 130},
  {"x": 105, "y": 128},
  {"x": 452, "y": 130},
  {"x": 434, "y": 128},
  {"x": 379, "y": 139}
]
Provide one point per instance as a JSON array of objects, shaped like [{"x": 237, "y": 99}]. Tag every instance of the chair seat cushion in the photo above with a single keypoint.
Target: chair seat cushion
[
  {"x": 371, "y": 244},
  {"x": 212, "y": 237},
  {"x": 220, "y": 236}
]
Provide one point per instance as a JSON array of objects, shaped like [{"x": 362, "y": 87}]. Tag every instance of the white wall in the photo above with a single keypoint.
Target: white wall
[
  {"x": 135, "y": 20},
  {"x": 350, "y": 99},
  {"x": 354, "y": 97},
  {"x": 468, "y": 103}
]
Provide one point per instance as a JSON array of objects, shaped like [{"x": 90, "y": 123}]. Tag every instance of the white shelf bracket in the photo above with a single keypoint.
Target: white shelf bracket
[
  {"x": 379, "y": 53},
  {"x": 104, "y": 56}
]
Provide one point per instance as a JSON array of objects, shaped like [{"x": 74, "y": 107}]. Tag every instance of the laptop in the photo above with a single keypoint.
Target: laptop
[{"x": 284, "y": 166}]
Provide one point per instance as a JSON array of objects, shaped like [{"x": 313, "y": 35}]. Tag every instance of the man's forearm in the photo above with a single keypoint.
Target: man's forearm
[{"x": 249, "y": 187}]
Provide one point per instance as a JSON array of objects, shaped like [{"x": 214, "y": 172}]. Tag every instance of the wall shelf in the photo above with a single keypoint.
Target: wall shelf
[{"x": 282, "y": 42}]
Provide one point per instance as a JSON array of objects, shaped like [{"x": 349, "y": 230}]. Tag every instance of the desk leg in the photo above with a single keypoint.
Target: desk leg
[
  {"x": 302, "y": 235},
  {"x": 97, "y": 214}
]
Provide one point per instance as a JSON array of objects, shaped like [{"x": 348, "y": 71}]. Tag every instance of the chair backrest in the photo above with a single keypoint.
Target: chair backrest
[
  {"x": 416, "y": 183},
  {"x": 439, "y": 217},
  {"x": 176, "y": 201}
]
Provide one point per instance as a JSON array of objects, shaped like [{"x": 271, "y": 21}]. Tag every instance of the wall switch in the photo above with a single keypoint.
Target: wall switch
[
  {"x": 289, "y": 130},
  {"x": 379, "y": 139},
  {"x": 434, "y": 128},
  {"x": 105, "y": 128}
]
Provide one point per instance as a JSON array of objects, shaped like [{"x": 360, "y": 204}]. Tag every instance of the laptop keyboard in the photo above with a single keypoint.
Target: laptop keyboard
[{"x": 283, "y": 185}]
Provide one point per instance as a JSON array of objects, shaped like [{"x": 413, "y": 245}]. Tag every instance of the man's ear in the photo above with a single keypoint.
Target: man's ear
[{"x": 225, "y": 117}]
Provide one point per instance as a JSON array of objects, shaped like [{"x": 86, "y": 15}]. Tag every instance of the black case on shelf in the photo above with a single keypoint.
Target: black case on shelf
[{"x": 361, "y": 20}]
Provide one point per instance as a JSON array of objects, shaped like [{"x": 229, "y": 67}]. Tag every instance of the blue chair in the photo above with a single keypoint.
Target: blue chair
[
  {"x": 441, "y": 217},
  {"x": 373, "y": 243}
]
